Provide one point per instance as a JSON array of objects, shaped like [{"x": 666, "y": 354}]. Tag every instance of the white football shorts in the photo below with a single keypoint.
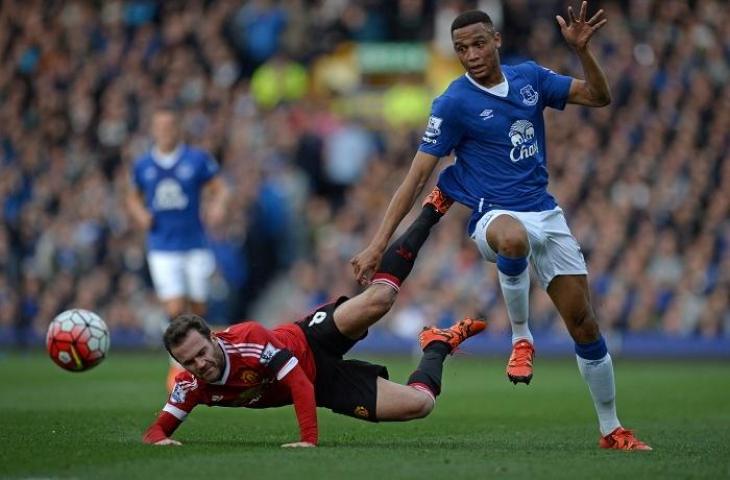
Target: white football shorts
[
  {"x": 181, "y": 274},
  {"x": 553, "y": 249}
]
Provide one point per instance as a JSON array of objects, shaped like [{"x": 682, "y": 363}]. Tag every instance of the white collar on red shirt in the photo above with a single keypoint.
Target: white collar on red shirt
[{"x": 227, "y": 370}]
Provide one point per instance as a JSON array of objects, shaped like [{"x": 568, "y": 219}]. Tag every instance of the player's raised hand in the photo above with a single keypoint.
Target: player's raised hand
[
  {"x": 299, "y": 445},
  {"x": 578, "y": 31},
  {"x": 365, "y": 263},
  {"x": 167, "y": 441}
]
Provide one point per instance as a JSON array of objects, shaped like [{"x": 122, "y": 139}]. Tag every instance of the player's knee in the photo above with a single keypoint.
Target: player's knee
[
  {"x": 514, "y": 244},
  {"x": 509, "y": 237},
  {"x": 583, "y": 327},
  {"x": 422, "y": 406},
  {"x": 198, "y": 308},
  {"x": 174, "y": 308},
  {"x": 381, "y": 298}
]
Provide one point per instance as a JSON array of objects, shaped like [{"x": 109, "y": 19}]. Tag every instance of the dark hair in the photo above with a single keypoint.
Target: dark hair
[
  {"x": 179, "y": 328},
  {"x": 469, "y": 18}
]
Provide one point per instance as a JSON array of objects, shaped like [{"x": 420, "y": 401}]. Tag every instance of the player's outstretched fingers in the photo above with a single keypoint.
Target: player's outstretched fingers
[
  {"x": 168, "y": 441},
  {"x": 298, "y": 445}
]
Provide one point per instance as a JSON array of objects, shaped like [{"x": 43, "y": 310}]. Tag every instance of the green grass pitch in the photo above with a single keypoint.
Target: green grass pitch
[{"x": 55, "y": 424}]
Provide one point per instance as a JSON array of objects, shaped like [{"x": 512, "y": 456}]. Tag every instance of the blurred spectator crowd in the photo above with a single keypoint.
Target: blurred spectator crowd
[{"x": 645, "y": 182}]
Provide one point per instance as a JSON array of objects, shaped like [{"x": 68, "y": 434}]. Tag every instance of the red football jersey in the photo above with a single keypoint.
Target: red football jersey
[
  {"x": 247, "y": 380},
  {"x": 262, "y": 370}
]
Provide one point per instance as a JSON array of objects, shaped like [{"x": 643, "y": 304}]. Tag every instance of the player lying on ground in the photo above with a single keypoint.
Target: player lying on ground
[{"x": 301, "y": 363}]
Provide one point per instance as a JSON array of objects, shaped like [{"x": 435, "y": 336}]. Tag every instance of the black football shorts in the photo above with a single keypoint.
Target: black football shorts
[{"x": 348, "y": 387}]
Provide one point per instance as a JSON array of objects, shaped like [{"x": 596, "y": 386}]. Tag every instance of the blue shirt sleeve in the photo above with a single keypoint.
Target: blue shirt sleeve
[
  {"x": 444, "y": 129},
  {"x": 554, "y": 87}
]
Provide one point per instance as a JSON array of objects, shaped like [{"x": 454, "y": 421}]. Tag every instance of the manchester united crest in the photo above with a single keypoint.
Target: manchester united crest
[
  {"x": 250, "y": 377},
  {"x": 362, "y": 412}
]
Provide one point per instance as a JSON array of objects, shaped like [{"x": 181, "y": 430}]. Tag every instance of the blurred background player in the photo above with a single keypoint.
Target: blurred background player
[
  {"x": 301, "y": 363},
  {"x": 492, "y": 118},
  {"x": 168, "y": 184}
]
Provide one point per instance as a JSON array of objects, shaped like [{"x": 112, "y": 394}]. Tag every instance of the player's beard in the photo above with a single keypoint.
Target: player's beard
[{"x": 211, "y": 374}]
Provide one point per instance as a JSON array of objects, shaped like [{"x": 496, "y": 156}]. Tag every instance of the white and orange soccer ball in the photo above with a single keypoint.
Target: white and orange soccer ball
[{"x": 77, "y": 340}]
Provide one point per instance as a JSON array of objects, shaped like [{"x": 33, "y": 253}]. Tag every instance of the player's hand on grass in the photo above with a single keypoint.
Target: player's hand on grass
[
  {"x": 298, "y": 445},
  {"x": 577, "y": 31},
  {"x": 365, "y": 263},
  {"x": 167, "y": 441}
]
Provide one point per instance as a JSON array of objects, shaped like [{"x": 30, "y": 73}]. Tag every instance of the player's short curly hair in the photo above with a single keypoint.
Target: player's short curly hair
[
  {"x": 469, "y": 18},
  {"x": 179, "y": 328}
]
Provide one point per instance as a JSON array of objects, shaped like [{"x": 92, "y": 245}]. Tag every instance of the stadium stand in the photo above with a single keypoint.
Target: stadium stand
[{"x": 269, "y": 88}]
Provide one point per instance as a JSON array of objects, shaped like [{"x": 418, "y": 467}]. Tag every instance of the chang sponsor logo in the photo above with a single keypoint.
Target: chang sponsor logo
[{"x": 522, "y": 137}]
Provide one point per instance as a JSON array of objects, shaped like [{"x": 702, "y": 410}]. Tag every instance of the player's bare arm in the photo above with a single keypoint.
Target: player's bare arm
[
  {"x": 220, "y": 194},
  {"x": 140, "y": 215},
  {"x": 366, "y": 262},
  {"x": 577, "y": 31}
]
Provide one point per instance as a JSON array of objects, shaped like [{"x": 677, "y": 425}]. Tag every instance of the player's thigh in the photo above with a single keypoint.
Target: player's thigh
[
  {"x": 356, "y": 315},
  {"x": 323, "y": 334},
  {"x": 559, "y": 254},
  {"x": 348, "y": 387},
  {"x": 167, "y": 270},
  {"x": 199, "y": 267},
  {"x": 398, "y": 402}
]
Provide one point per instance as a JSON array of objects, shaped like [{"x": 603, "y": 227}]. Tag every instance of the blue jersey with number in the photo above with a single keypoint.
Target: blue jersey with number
[
  {"x": 172, "y": 195},
  {"x": 499, "y": 142}
]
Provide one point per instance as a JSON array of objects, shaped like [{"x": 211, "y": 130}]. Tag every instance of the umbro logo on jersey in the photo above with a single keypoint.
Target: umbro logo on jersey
[{"x": 486, "y": 113}]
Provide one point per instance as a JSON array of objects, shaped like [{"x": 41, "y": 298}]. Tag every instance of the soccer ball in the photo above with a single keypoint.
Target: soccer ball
[{"x": 77, "y": 340}]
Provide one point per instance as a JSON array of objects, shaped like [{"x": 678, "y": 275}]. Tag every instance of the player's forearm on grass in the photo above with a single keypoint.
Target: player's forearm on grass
[
  {"x": 161, "y": 429},
  {"x": 595, "y": 79},
  {"x": 305, "y": 406}
]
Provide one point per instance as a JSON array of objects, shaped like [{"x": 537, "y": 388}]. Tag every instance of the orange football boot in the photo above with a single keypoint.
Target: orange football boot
[
  {"x": 452, "y": 336},
  {"x": 622, "y": 439},
  {"x": 440, "y": 202},
  {"x": 519, "y": 367}
]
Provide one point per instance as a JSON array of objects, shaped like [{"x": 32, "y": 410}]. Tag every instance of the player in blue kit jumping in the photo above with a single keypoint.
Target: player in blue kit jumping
[
  {"x": 492, "y": 119},
  {"x": 165, "y": 198}
]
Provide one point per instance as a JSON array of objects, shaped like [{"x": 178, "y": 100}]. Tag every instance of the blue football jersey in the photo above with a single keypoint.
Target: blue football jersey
[
  {"x": 172, "y": 195},
  {"x": 499, "y": 142}
]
